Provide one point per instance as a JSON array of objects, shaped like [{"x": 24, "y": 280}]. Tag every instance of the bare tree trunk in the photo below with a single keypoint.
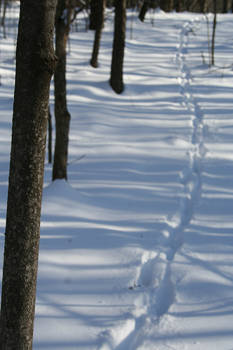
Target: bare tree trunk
[
  {"x": 116, "y": 78},
  {"x": 0, "y": 6},
  {"x": 203, "y": 5},
  {"x": 98, "y": 32},
  {"x": 178, "y": 5},
  {"x": 93, "y": 14},
  {"x": 213, "y": 33},
  {"x": 225, "y": 6},
  {"x": 35, "y": 63},
  {"x": 166, "y": 5},
  {"x": 62, "y": 116},
  {"x": 144, "y": 9}
]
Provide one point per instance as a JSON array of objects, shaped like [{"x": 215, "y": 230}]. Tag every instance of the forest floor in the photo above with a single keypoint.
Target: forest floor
[{"x": 136, "y": 247}]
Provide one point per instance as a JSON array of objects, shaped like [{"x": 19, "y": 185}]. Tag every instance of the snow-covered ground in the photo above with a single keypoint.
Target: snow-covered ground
[{"x": 137, "y": 247}]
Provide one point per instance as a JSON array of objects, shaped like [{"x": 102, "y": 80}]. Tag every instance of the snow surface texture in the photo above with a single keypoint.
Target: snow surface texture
[{"x": 137, "y": 247}]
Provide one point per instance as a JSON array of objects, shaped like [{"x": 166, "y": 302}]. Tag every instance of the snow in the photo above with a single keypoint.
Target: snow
[{"x": 136, "y": 248}]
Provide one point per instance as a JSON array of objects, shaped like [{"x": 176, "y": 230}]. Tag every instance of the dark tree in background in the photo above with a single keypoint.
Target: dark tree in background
[
  {"x": 99, "y": 26},
  {"x": 178, "y": 5},
  {"x": 93, "y": 19},
  {"x": 225, "y": 6},
  {"x": 213, "y": 33},
  {"x": 116, "y": 78},
  {"x": 64, "y": 14},
  {"x": 203, "y": 6},
  {"x": 35, "y": 63},
  {"x": 145, "y": 7},
  {"x": 167, "y": 5}
]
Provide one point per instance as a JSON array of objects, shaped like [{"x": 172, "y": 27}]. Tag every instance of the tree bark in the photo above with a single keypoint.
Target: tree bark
[
  {"x": 62, "y": 116},
  {"x": 35, "y": 62},
  {"x": 98, "y": 32},
  {"x": 50, "y": 137},
  {"x": 116, "y": 78}
]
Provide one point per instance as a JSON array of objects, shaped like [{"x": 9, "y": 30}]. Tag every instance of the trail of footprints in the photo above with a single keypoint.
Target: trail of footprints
[
  {"x": 155, "y": 273},
  {"x": 190, "y": 177},
  {"x": 154, "y": 279}
]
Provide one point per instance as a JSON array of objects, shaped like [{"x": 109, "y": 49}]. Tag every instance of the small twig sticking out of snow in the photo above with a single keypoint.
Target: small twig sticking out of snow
[{"x": 77, "y": 159}]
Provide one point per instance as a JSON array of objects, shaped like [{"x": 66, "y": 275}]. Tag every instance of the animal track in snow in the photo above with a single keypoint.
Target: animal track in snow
[
  {"x": 190, "y": 177},
  {"x": 153, "y": 290}
]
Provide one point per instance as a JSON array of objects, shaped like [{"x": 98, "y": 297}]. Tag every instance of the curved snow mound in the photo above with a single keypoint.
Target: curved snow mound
[{"x": 60, "y": 188}]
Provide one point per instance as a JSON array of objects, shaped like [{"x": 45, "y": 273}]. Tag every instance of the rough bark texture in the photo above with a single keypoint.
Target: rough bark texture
[
  {"x": 35, "y": 63},
  {"x": 116, "y": 79},
  {"x": 99, "y": 27},
  {"x": 62, "y": 116},
  {"x": 50, "y": 138}
]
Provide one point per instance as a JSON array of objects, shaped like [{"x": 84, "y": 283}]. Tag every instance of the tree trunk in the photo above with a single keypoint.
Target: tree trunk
[
  {"x": 62, "y": 116},
  {"x": 98, "y": 32},
  {"x": 144, "y": 9},
  {"x": 93, "y": 14},
  {"x": 35, "y": 63},
  {"x": 213, "y": 33},
  {"x": 177, "y": 5},
  {"x": 225, "y": 6},
  {"x": 166, "y": 5},
  {"x": 116, "y": 78},
  {"x": 203, "y": 6}
]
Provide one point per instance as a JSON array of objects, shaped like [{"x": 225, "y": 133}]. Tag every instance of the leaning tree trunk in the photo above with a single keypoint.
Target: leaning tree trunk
[
  {"x": 35, "y": 63},
  {"x": 62, "y": 116},
  {"x": 144, "y": 9},
  {"x": 116, "y": 78},
  {"x": 98, "y": 32}
]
